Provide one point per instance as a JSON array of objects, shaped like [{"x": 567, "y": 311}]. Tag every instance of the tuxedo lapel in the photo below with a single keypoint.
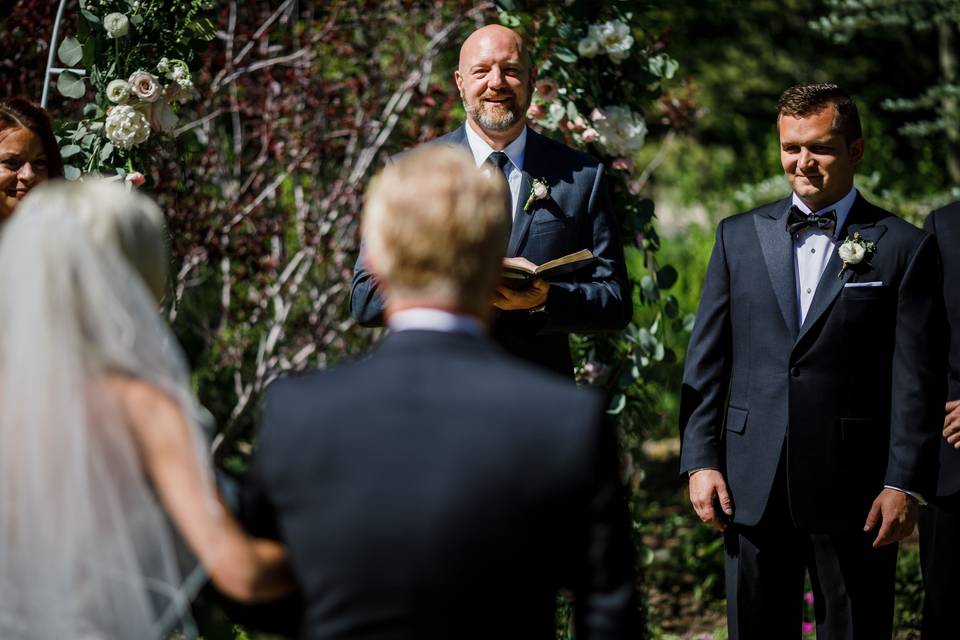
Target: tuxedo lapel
[
  {"x": 832, "y": 280},
  {"x": 532, "y": 166},
  {"x": 777, "y": 247}
]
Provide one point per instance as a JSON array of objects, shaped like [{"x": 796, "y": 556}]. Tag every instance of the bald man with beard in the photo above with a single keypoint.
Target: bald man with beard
[{"x": 495, "y": 79}]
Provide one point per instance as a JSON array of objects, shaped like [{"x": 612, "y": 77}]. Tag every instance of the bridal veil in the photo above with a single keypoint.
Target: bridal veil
[{"x": 86, "y": 550}]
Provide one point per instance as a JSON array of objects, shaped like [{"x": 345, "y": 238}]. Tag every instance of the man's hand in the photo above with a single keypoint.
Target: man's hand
[
  {"x": 896, "y": 512},
  {"x": 507, "y": 299},
  {"x": 951, "y": 423},
  {"x": 707, "y": 485}
]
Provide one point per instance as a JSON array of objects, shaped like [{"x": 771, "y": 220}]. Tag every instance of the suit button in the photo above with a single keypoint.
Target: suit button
[{"x": 795, "y": 372}]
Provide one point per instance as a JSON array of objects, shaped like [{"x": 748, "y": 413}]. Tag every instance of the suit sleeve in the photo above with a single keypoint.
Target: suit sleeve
[
  {"x": 258, "y": 516},
  {"x": 604, "y": 601},
  {"x": 919, "y": 369},
  {"x": 706, "y": 372},
  {"x": 605, "y": 302},
  {"x": 366, "y": 303}
]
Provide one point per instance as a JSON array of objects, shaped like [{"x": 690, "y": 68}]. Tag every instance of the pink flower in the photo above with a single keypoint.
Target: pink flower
[
  {"x": 623, "y": 164},
  {"x": 634, "y": 186},
  {"x": 536, "y": 111},
  {"x": 547, "y": 89},
  {"x": 807, "y": 628},
  {"x": 597, "y": 114},
  {"x": 590, "y": 135},
  {"x": 808, "y": 597},
  {"x": 577, "y": 125},
  {"x": 136, "y": 179}
]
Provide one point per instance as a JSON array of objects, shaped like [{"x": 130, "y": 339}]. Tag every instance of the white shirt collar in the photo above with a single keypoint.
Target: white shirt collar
[
  {"x": 426, "y": 319},
  {"x": 481, "y": 150},
  {"x": 841, "y": 207}
]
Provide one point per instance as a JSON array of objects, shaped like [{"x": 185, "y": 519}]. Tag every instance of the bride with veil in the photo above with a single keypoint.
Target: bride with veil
[{"x": 103, "y": 471}]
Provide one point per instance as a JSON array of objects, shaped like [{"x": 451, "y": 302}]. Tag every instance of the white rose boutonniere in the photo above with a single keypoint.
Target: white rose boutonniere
[
  {"x": 853, "y": 250},
  {"x": 539, "y": 190}
]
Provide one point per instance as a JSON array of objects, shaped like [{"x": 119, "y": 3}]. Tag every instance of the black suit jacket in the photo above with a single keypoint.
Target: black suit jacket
[
  {"x": 577, "y": 215},
  {"x": 440, "y": 489},
  {"x": 851, "y": 398},
  {"x": 944, "y": 224}
]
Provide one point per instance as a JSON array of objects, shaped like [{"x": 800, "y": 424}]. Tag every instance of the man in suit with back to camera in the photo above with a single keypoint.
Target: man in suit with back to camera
[
  {"x": 940, "y": 520},
  {"x": 441, "y": 488},
  {"x": 812, "y": 388},
  {"x": 495, "y": 78}
]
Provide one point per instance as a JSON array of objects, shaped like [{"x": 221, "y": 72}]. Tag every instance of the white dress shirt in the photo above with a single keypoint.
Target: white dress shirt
[
  {"x": 426, "y": 319},
  {"x": 514, "y": 151},
  {"x": 813, "y": 249}
]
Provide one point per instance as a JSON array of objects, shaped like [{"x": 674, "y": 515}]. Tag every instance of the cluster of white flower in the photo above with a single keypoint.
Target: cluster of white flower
[
  {"x": 144, "y": 94},
  {"x": 619, "y": 130},
  {"x": 612, "y": 38},
  {"x": 126, "y": 126}
]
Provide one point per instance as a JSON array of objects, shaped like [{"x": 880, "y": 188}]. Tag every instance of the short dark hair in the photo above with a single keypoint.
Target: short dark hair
[
  {"x": 17, "y": 113},
  {"x": 807, "y": 99}
]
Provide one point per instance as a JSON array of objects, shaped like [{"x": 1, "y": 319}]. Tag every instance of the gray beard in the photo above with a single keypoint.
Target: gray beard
[{"x": 487, "y": 120}]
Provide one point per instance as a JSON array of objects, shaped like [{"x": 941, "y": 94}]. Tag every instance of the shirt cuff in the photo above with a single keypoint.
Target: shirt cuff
[
  {"x": 693, "y": 471},
  {"x": 919, "y": 497}
]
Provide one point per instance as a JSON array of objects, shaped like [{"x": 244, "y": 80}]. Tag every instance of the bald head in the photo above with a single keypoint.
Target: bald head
[
  {"x": 493, "y": 37},
  {"x": 495, "y": 78}
]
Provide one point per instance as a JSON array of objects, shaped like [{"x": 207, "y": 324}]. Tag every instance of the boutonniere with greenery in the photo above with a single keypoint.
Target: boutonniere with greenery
[
  {"x": 539, "y": 190},
  {"x": 853, "y": 251}
]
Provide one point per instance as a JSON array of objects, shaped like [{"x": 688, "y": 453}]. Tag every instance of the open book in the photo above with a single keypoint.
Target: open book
[{"x": 519, "y": 272}]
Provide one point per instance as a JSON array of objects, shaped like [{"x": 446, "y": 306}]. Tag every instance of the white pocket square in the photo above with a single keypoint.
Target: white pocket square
[{"x": 876, "y": 283}]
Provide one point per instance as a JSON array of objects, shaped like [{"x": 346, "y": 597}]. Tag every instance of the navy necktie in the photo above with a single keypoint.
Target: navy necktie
[{"x": 498, "y": 161}]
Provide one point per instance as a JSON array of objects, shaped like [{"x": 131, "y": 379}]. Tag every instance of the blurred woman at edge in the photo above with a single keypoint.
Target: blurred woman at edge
[{"x": 28, "y": 152}]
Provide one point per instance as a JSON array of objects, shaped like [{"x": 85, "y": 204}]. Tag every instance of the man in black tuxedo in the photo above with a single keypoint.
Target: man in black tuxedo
[
  {"x": 815, "y": 368},
  {"x": 495, "y": 78},
  {"x": 440, "y": 488},
  {"x": 940, "y": 520}
]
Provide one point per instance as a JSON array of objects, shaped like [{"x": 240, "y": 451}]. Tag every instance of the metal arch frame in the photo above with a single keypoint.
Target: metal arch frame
[{"x": 51, "y": 56}]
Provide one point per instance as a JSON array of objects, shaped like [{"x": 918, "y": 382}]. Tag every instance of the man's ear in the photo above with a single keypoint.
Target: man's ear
[
  {"x": 459, "y": 80},
  {"x": 856, "y": 151}
]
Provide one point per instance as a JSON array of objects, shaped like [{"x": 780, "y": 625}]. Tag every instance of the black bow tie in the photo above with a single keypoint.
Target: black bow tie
[{"x": 797, "y": 221}]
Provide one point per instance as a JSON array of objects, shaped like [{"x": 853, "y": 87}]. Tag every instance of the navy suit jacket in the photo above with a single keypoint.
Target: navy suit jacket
[
  {"x": 577, "y": 215},
  {"x": 442, "y": 489},
  {"x": 944, "y": 224},
  {"x": 852, "y": 399}
]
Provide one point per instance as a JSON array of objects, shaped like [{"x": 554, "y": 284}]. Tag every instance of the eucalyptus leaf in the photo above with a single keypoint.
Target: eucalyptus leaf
[
  {"x": 564, "y": 54},
  {"x": 70, "y": 172},
  {"x": 70, "y": 85},
  {"x": 106, "y": 151},
  {"x": 70, "y": 51},
  {"x": 89, "y": 16},
  {"x": 70, "y": 150},
  {"x": 666, "y": 277},
  {"x": 688, "y": 322},
  {"x": 671, "y": 307}
]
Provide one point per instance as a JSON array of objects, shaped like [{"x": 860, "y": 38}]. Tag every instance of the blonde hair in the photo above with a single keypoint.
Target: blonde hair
[
  {"x": 435, "y": 228},
  {"x": 114, "y": 216}
]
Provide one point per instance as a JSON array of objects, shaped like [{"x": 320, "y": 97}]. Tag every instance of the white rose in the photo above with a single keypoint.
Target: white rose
[
  {"x": 126, "y": 126},
  {"x": 540, "y": 190},
  {"x": 118, "y": 91},
  {"x": 588, "y": 47},
  {"x": 852, "y": 252},
  {"x": 163, "y": 66},
  {"x": 116, "y": 25},
  {"x": 145, "y": 86},
  {"x": 622, "y": 132},
  {"x": 614, "y": 37}
]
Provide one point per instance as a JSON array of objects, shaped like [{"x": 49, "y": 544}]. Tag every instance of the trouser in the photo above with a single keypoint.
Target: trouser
[
  {"x": 940, "y": 563},
  {"x": 853, "y": 584}
]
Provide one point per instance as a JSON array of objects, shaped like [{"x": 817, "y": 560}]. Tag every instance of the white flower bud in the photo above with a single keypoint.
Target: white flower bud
[{"x": 116, "y": 25}]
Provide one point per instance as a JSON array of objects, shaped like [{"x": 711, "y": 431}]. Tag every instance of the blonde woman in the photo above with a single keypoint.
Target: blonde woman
[{"x": 102, "y": 468}]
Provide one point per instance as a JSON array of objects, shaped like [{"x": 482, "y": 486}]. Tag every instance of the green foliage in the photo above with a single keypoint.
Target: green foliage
[
  {"x": 157, "y": 37},
  {"x": 908, "y": 608}
]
